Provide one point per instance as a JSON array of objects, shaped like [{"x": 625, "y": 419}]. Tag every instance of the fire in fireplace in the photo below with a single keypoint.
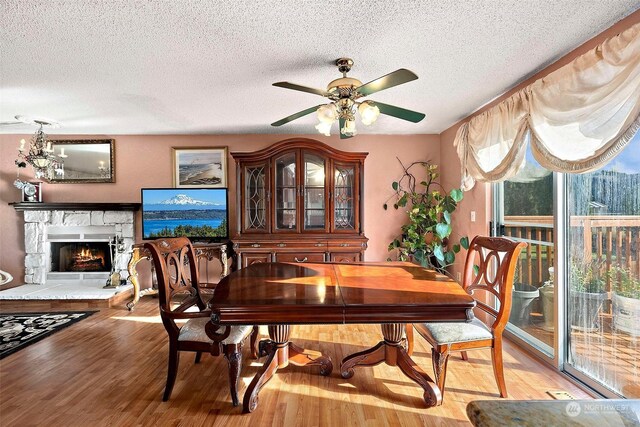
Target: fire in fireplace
[{"x": 80, "y": 256}]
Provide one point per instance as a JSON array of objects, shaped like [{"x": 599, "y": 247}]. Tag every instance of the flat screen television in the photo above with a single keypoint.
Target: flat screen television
[{"x": 200, "y": 214}]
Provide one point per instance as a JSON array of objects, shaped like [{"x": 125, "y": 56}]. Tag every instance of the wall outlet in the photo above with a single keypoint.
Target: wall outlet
[
  {"x": 458, "y": 277},
  {"x": 473, "y": 216}
]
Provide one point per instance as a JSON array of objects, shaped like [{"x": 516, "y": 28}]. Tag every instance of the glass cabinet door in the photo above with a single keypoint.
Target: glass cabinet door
[
  {"x": 255, "y": 198},
  {"x": 314, "y": 192},
  {"x": 344, "y": 215},
  {"x": 286, "y": 192}
]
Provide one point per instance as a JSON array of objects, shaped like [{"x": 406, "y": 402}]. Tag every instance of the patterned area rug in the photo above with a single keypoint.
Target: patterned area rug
[{"x": 18, "y": 330}]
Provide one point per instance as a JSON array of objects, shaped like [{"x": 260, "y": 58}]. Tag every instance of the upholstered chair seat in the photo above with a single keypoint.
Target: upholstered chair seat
[
  {"x": 193, "y": 330},
  {"x": 447, "y": 333}
]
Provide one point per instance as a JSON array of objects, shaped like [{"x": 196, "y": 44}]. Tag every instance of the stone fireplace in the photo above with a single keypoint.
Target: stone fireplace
[{"x": 69, "y": 243}]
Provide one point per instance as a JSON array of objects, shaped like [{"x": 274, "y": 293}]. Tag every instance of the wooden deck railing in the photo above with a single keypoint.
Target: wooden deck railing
[{"x": 609, "y": 239}]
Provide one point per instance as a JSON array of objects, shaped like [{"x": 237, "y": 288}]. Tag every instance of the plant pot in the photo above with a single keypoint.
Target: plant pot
[
  {"x": 584, "y": 310},
  {"x": 626, "y": 314},
  {"x": 548, "y": 306},
  {"x": 522, "y": 297}
]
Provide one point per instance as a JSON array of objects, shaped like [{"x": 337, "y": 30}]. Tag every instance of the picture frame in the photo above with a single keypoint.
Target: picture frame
[
  {"x": 84, "y": 161},
  {"x": 199, "y": 167}
]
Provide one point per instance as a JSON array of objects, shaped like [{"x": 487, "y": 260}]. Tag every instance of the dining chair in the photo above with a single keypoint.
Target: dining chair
[
  {"x": 180, "y": 298},
  {"x": 489, "y": 267}
]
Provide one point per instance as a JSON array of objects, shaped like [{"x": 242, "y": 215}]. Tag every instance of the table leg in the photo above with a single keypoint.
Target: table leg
[
  {"x": 280, "y": 352},
  {"x": 224, "y": 260},
  {"x": 392, "y": 351},
  {"x": 137, "y": 255}
]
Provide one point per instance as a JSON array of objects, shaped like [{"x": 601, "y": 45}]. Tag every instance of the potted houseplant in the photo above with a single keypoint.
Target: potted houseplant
[
  {"x": 587, "y": 294},
  {"x": 626, "y": 300},
  {"x": 425, "y": 238}
]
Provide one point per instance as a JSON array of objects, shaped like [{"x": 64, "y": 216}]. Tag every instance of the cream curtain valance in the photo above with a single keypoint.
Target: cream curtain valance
[{"x": 576, "y": 118}]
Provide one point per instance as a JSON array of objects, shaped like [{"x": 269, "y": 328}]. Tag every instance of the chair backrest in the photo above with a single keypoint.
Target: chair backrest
[
  {"x": 177, "y": 273},
  {"x": 490, "y": 266}
]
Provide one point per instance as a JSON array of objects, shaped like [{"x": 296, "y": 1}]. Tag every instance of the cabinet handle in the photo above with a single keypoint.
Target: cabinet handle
[
  {"x": 295, "y": 258},
  {"x": 281, "y": 245},
  {"x": 344, "y": 245},
  {"x": 319, "y": 245},
  {"x": 255, "y": 245}
]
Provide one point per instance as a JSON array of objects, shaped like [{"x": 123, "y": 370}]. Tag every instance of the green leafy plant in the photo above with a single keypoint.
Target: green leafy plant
[
  {"x": 624, "y": 283},
  {"x": 425, "y": 238},
  {"x": 587, "y": 276}
]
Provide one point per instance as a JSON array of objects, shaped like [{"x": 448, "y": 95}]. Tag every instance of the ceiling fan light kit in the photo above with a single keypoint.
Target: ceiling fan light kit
[{"x": 344, "y": 94}]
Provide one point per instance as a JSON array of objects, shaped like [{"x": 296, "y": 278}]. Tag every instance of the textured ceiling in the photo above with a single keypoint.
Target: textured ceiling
[{"x": 206, "y": 67}]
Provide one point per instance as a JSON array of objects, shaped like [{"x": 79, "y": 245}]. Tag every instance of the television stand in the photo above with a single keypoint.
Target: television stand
[{"x": 204, "y": 252}]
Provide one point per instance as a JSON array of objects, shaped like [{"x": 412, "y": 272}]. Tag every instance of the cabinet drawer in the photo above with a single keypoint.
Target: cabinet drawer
[
  {"x": 345, "y": 257},
  {"x": 283, "y": 245},
  {"x": 252, "y": 245},
  {"x": 345, "y": 245},
  {"x": 300, "y": 257},
  {"x": 254, "y": 258}
]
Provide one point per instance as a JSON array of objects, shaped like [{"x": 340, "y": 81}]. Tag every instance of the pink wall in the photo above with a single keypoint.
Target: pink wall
[
  {"x": 479, "y": 198},
  {"x": 145, "y": 161}
]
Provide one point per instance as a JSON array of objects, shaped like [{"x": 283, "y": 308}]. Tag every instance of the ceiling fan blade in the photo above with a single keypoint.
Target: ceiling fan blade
[
  {"x": 295, "y": 116},
  {"x": 301, "y": 88},
  {"x": 341, "y": 122},
  {"x": 401, "y": 113},
  {"x": 395, "y": 78}
]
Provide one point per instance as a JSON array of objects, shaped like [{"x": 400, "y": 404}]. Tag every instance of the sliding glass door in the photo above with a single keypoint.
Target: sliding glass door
[
  {"x": 581, "y": 265},
  {"x": 524, "y": 207},
  {"x": 604, "y": 274}
]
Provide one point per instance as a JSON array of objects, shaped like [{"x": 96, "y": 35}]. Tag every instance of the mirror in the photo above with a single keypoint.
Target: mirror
[{"x": 84, "y": 160}]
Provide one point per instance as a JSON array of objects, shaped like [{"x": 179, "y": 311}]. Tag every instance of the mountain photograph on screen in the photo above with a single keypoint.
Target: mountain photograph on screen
[{"x": 194, "y": 213}]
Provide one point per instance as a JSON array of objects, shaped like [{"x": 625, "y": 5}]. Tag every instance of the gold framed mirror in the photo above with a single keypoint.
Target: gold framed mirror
[{"x": 84, "y": 160}]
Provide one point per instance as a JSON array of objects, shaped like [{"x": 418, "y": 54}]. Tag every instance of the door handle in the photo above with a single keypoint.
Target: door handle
[{"x": 300, "y": 260}]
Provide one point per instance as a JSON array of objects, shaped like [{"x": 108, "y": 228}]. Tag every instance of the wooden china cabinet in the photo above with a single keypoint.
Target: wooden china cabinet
[{"x": 299, "y": 200}]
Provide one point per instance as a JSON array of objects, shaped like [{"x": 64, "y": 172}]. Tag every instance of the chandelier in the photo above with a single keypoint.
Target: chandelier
[{"x": 39, "y": 155}]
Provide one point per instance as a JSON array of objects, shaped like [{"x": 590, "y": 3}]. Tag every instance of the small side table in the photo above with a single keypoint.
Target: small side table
[{"x": 204, "y": 252}]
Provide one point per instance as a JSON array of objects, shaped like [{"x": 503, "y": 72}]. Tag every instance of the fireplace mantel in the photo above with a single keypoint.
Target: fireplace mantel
[{"x": 74, "y": 206}]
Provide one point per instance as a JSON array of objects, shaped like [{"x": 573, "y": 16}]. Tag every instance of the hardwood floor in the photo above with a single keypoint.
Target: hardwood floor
[{"x": 110, "y": 369}]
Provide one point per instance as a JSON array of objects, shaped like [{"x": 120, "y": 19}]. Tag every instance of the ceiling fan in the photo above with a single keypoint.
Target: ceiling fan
[
  {"x": 345, "y": 93},
  {"x": 26, "y": 120}
]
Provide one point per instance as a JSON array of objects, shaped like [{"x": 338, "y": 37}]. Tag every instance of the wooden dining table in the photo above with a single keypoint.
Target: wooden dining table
[{"x": 284, "y": 294}]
